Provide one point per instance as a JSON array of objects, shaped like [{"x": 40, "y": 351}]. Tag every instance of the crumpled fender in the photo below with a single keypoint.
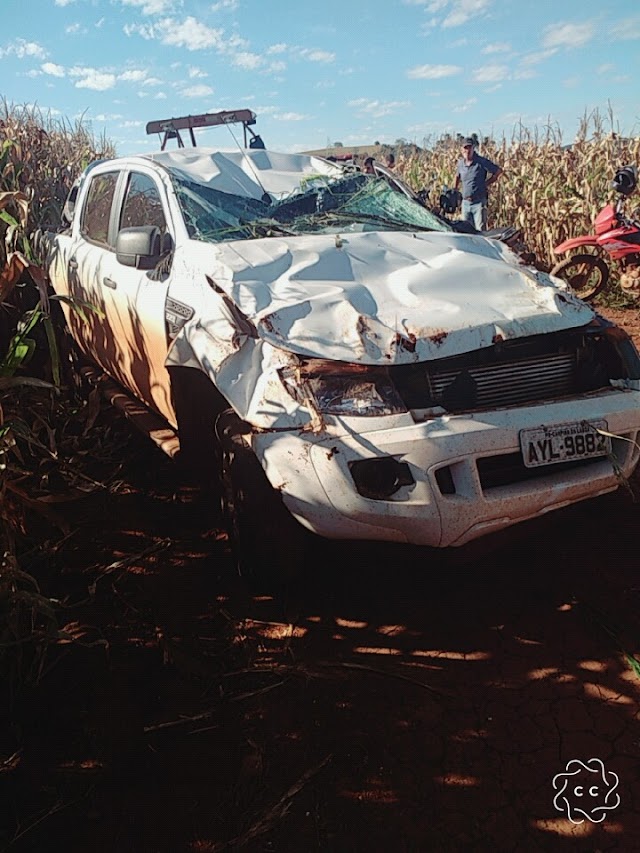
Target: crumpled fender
[{"x": 222, "y": 343}]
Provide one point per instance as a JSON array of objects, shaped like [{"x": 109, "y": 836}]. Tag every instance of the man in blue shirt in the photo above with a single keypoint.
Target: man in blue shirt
[{"x": 472, "y": 173}]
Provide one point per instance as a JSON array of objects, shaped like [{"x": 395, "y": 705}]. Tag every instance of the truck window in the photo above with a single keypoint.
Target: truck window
[
  {"x": 97, "y": 209},
  {"x": 142, "y": 204}
]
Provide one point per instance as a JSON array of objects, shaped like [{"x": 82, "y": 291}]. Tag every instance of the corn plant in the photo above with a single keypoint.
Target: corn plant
[{"x": 39, "y": 159}]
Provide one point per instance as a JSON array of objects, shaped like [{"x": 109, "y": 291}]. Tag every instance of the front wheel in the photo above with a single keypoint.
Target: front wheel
[
  {"x": 268, "y": 546},
  {"x": 587, "y": 275}
]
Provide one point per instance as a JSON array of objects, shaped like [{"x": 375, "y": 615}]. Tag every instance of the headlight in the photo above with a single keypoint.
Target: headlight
[{"x": 337, "y": 388}]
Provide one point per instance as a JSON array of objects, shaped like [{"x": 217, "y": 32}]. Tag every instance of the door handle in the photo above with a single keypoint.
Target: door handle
[
  {"x": 73, "y": 264},
  {"x": 109, "y": 282}
]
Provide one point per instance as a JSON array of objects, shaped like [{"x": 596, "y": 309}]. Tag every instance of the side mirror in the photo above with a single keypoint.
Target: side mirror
[
  {"x": 140, "y": 247},
  {"x": 70, "y": 205}
]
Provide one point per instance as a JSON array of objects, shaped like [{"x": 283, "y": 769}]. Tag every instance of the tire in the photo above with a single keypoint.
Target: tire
[
  {"x": 197, "y": 404},
  {"x": 268, "y": 546},
  {"x": 587, "y": 275}
]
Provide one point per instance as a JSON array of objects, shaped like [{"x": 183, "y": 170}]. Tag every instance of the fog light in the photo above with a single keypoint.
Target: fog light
[{"x": 380, "y": 478}]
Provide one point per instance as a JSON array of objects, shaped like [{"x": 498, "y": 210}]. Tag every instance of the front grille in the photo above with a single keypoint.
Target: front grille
[
  {"x": 507, "y": 383},
  {"x": 518, "y": 372}
]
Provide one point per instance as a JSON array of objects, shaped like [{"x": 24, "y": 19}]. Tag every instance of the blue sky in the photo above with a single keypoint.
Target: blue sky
[{"x": 355, "y": 71}]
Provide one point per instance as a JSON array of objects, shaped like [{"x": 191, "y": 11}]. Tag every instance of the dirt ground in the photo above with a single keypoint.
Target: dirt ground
[{"x": 396, "y": 700}]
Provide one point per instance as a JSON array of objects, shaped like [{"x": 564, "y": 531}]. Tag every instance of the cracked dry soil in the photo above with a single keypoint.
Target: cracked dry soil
[{"x": 396, "y": 701}]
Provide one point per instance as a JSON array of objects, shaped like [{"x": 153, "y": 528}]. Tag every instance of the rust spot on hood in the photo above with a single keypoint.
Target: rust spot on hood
[
  {"x": 438, "y": 337},
  {"x": 267, "y": 322},
  {"x": 406, "y": 342}
]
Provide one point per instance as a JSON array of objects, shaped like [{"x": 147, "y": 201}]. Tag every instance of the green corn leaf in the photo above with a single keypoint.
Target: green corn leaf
[
  {"x": 19, "y": 353},
  {"x": 54, "y": 353},
  {"x": 10, "y": 220}
]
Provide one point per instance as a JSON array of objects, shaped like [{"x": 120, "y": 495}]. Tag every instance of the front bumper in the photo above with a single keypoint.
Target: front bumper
[{"x": 312, "y": 472}]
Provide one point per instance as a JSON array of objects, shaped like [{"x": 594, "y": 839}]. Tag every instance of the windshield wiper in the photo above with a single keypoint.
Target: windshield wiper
[{"x": 267, "y": 226}]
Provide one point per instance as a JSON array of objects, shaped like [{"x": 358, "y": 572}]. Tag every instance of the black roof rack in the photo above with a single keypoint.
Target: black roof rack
[{"x": 171, "y": 127}]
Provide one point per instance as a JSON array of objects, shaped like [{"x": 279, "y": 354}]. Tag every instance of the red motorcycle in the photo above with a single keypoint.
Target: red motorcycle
[{"x": 616, "y": 235}]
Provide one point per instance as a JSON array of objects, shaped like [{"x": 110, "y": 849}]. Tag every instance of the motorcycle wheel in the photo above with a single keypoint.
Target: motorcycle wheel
[{"x": 587, "y": 275}]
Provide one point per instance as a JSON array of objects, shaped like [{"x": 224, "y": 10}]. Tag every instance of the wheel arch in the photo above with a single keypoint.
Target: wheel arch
[{"x": 198, "y": 403}]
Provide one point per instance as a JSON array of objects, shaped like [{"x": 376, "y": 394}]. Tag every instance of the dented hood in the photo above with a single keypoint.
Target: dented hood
[{"x": 390, "y": 297}]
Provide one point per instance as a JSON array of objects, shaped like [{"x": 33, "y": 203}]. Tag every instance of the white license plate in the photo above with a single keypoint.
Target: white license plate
[{"x": 563, "y": 443}]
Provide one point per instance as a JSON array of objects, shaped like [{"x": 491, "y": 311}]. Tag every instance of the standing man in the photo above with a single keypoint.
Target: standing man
[{"x": 473, "y": 171}]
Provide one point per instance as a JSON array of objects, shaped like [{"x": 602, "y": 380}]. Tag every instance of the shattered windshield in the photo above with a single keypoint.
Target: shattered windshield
[{"x": 352, "y": 203}]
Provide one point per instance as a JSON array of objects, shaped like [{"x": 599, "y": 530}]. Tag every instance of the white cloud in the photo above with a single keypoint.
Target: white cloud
[
  {"x": 134, "y": 75},
  {"x": 377, "y": 109},
  {"x": 568, "y": 35},
  {"x": 491, "y": 74},
  {"x": 316, "y": 55},
  {"x": 152, "y": 81},
  {"x": 147, "y": 31},
  {"x": 607, "y": 68},
  {"x": 537, "y": 56},
  {"x": 465, "y": 105},
  {"x": 22, "y": 48},
  {"x": 522, "y": 74},
  {"x": 199, "y": 91},
  {"x": 246, "y": 60},
  {"x": 225, "y": 4},
  {"x": 131, "y": 124},
  {"x": 431, "y": 5},
  {"x": 190, "y": 33},
  {"x": 277, "y": 48},
  {"x": 291, "y": 117},
  {"x": 64, "y": 2},
  {"x": 628, "y": 28},
  {"x": 276, "y": 67},
  {"x": 461, "y": 11},
  {"x": 75, "y": 30},
  {"x": 53, "y": 69},
  {"x": 497, "y": 47},
  {"x": 108, "y": 117},
  {"x": 98, "y": 24},
  {"x": 153, "y": 7},
  {"x": 195, "y": 73},
  {"x": 160, "y": 96},
  {"x": 91, "y": 78},
  {"x": 432, "y": 72}
]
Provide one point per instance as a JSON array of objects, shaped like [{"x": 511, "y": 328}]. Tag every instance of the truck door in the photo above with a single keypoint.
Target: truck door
[
  {"x": 121, "y": 321},
  {"x": 134, "y": 300}
]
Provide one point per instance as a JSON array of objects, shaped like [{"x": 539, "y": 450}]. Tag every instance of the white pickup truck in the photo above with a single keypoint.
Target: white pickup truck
[{"x": 336, "y": 348}]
